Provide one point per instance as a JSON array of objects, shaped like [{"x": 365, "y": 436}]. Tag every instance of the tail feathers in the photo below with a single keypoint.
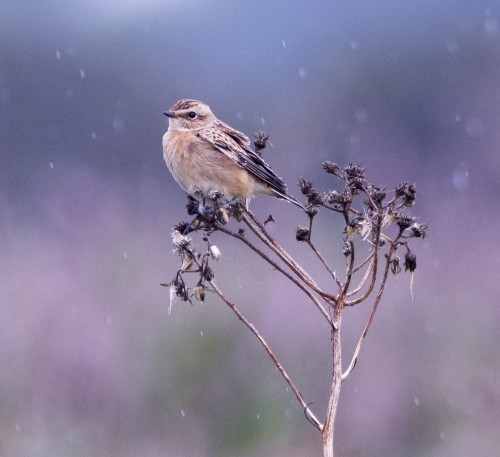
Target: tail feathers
[{"x": 288, "y": 198}]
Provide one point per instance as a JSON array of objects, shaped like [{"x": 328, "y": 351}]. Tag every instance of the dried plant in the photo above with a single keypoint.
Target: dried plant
[{"x": 372, "y": 216}]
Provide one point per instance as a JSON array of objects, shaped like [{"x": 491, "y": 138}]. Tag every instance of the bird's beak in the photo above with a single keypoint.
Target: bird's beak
[{"x": 170, "y": 114}]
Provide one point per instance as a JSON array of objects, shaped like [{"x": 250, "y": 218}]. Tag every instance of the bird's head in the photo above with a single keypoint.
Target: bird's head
[{"x": 189, "y": 114}]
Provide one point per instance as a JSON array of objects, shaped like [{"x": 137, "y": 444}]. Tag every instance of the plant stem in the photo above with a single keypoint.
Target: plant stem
[{"x": 328, "y": 429}]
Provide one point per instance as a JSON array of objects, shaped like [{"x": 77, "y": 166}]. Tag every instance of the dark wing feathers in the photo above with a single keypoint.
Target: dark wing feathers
[{"x": 236, "y": 146}]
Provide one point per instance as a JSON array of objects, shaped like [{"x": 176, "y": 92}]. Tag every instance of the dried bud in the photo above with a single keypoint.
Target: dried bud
[
  {"x": 260, "y": 141},
  {"x": 187, "y": 262},
  {"x": 331, "y": 167},
  {"x": 395, "y": 265},
  {"x": 199, "y": 293},
  {"x": 407, "y": 191},
  {"x": 214, "y": 195},
  {"x": 355, "y": 176},
  {"x": 214, "y": 252},
  {"x": 377, "y": 195},
  {"x": 192, "y": 206},
  {"x": 419, "y": 230},
  {"x": 314, "y": 198},
  {"x": 334, "y": 197},
  {"x": 179, "y": 240},
  {"x": 223, "y": 216},
  {"x": 237, "y": 210},
  {"x": 404, "y": 222},
  {"x": 207, "y": 273},
  {"x": 305, "y": 186},
  {"x": 410, "y": 261},
  {"x": 346, "y": 249},
  {"x": 181, "y": 227},
  {"x": 302, "y": 233},
  {"x": 312, "y": 211}
]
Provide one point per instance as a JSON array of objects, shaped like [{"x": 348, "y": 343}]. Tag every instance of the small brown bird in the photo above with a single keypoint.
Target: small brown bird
[{"x": 204, "y": 154}]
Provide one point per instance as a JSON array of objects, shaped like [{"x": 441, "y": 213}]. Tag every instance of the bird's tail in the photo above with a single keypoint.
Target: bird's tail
[{"x": 288, "y": 198}]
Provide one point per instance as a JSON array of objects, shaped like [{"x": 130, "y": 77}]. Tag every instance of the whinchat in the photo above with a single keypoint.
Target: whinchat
[{"x": 204, "y": 154}]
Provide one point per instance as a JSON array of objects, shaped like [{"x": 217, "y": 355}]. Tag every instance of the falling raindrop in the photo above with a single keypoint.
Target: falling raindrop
[
  {"x": 452, "y": 46},
  {"x": 460, "y": 178},
  {"x": 183, "y": 414}
]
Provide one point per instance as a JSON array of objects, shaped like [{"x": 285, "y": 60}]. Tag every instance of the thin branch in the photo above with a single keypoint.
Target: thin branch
[
  {"x": 280, "y": 250},
  {"x": 261, "y": 232},
  {"x": 311, "y": 417},
  {"x": 372, "y": 315},
  {"x": 325, "y": 264},
  {"x": 376, "y": 251},
  {"x": 362, "y": 282},
  {"x": 281, "y": 270},
  {"x": 362, "y": 264}
]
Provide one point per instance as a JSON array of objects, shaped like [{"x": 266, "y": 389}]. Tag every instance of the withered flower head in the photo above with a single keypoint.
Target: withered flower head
[
  {"x": 302, "y": 233},
  {"x": 305, "y": 186},
  {"x": 355, "y": 176},
  {"x": 404, "y": 222},
  {"x": 214, "y": 195},
  {"x": 260, "y": 141},
  {"x": 408, "y": 192},
  {"x": 179, "y": 240},
  {"x": 334, "y": 197},
  {"x": 419, "y": 230},
  {"x": 331, "y": 167}
]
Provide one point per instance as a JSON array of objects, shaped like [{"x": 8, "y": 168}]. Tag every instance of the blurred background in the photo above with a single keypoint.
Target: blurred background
[{"x": 91, "y": 362}]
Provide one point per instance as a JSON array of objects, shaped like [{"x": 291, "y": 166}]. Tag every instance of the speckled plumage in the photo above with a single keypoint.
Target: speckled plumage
[{"x": 203, "y": 154}]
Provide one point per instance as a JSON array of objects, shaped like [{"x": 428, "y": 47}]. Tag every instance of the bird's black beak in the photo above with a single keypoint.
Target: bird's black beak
[{"x": 170, "y": 114}]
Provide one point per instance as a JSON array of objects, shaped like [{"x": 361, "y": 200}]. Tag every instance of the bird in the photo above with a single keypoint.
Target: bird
[{"x": 205, "y": 154}]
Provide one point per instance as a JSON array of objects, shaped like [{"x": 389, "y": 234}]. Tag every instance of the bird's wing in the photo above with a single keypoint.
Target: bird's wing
[
  {"x": 236, "y": 146},
  {"x": 236, "y": 135}
]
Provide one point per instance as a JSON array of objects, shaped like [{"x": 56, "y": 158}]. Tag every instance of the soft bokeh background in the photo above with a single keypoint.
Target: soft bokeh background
[{"x": 91, "y": 362}]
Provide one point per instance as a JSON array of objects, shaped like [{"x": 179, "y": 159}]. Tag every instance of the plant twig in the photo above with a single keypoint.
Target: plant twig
[
  {"x": 264, "y": 236},
  {"x": 372, "y": 315},
  {"x": 311, "y": 417},
  {"x": 325, "y": 264},
  {"x": 281, "y": 270}
]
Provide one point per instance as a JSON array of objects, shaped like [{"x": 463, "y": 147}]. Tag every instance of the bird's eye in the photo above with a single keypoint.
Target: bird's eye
[{"x": 192, "y": 114}]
